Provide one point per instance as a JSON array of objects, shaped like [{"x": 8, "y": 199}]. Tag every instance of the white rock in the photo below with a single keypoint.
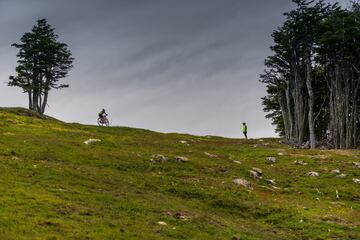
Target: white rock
[
  {"x": 258, "y": 170},
  {"x": 313, "y": 174},
  {"x": 242, "y": 182},
  {"x": 184, "y": 142},
  {"x": 271, "y": 159},
  {"x": 256, "y": 173},
  {"x": 356, "y": 180},
  {"x": 210, "y": 155},
  {"x": 281, "y": 154},
  {"x": 300, "y": 162},
  {"x": 91, "y": 140},
  {"x": 158, "y": 158},
  {"x": 271, "y": 181},
  {"x": 357, "y": 164},
  {"x": 182, "y": 159},
  {"x": 336, "y": 171},
  {"x": 162, "y": 223},
  {"x": 341, "y": 175},
  {"x": 237, "y": 162}
]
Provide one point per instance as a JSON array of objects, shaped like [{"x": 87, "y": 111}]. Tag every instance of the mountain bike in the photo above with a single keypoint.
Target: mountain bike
[{"x": 103, "y": 121}]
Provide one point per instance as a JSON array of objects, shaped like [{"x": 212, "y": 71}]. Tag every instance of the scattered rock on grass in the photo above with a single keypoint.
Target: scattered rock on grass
[
  {"x": 237, "y": 162},
  {"x": 356, "y": 180},
  {"x": 162, "y": 223},
  {"x": 181, "y": 159},
  {"x": 256, "y": 173},
  {"x": 271, "y": 159},
  {"x": 221, "y": 169},
  {"x": 336, "y": 171},
  {"x": 300, "y": 162},
  {"x": 91, "y": 140},
  {"x": 242, "y": 182},
  {"x": 158, "y": 158},
  {"x": 258, "y": 170},
  {"x": 313, "y": 174},
  {"x": 185, "y": 143},
  {"x": 271, "y": 181},
  {"x": 357, "y": 164},
  {"x": 341, "y": 175},
  {"x": 210, "y": 155},
  {"x": 179, "y": 215}
]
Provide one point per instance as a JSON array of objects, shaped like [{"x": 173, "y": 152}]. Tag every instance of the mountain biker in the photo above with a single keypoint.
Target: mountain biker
[
  {"x": 244, "y": 129},
  {"x": 103, "y": 114}
]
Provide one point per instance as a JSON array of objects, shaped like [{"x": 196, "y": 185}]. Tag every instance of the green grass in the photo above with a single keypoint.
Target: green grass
[{"x": 53, "y": 186}]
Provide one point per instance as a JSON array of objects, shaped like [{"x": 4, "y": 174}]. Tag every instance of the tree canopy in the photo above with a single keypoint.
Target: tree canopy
[
  {"x": 313, "y": 75},
  {"x": 42, "y": 62}
]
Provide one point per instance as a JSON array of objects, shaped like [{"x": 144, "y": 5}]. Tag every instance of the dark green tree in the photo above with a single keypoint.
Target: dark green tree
[
  {"x": 42, "y": 62},
  {"x": 313, "y": 75},
  {"x": 338, "y": 52}
]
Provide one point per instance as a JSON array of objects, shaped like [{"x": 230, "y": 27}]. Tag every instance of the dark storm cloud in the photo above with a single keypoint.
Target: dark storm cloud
[{"x": 168, "y": 65}]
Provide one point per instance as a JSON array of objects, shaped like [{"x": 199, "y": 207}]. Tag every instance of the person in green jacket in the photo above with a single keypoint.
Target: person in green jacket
[{"x": 245, "y": 130}]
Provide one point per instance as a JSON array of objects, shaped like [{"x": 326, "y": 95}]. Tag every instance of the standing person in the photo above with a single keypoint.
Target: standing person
[{"x": 245, "y": 130}]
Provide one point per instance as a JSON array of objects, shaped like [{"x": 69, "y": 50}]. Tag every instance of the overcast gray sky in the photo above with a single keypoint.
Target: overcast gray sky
[{"x": 188, "y": 66}]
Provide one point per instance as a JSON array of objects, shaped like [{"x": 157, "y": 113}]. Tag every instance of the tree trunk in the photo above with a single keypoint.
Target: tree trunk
[
  {"x": 289, "y": 111},
  {"x": 34, "y": 101},
  {"x": 44, "y": 103},
  {"x": 284, "y": 116},
  {"x": 332, "y": 125},
  {"x": 311, "y": 101},
  {"x": 299, "y": 104},
  {"x": 355, "y": 113},
  {"x": 30, "y": 100}
]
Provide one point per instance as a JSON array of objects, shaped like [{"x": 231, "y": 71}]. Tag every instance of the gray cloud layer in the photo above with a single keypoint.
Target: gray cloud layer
[{"x": 168, "y": 65}]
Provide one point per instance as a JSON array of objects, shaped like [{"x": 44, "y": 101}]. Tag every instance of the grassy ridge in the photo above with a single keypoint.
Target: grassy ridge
[{"x": 53, "y": 186}]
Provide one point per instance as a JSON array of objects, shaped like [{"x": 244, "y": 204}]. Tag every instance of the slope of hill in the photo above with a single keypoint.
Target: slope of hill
[{"x": 138, "y": 184}]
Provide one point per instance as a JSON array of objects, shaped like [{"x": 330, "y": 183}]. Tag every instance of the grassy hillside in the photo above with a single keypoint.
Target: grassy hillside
[{"x": 53, "y": 186}]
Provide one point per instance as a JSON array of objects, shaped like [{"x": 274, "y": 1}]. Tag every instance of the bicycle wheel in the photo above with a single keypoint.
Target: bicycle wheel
[
  {"x": 99, "y": 121},
  {"x": 106, "y": 122}
]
